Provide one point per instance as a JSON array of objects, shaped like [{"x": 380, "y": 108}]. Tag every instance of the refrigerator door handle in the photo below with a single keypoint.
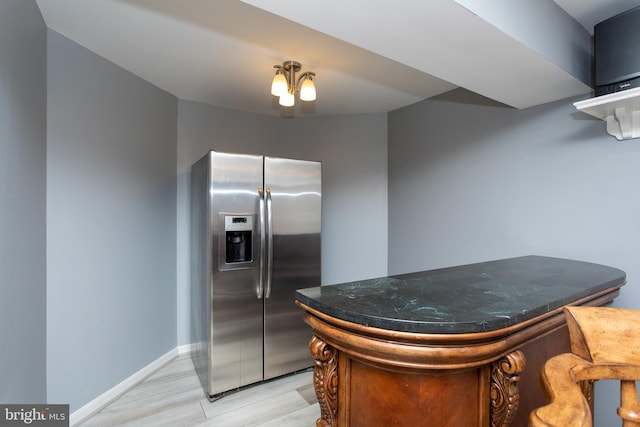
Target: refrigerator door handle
[
  {"x": 269, "y": 269},
  {"x": 260, "y": 287}
]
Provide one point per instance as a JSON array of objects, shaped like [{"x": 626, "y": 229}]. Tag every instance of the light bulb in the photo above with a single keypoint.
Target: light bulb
[
  {"x": 279, "y": 85},
  {"x": 308, "y": 90},
  {"x": 287, "y": 100}
]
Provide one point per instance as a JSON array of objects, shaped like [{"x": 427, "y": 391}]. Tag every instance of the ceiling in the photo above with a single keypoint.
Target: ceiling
[{"x": 367, "y": 59}]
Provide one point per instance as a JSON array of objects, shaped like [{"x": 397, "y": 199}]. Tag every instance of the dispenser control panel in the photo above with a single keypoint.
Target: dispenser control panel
[{"x": 238, "y": 223}]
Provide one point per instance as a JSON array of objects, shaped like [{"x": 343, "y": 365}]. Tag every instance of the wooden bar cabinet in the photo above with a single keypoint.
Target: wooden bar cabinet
[{"x": 460, "y": 346}]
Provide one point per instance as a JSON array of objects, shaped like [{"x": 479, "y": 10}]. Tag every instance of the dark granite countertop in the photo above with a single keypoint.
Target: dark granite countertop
[{"x": 465, "y": 299}]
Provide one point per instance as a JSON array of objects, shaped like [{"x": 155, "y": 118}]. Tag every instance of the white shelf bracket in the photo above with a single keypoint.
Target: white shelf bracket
[
  {"x": 620, "y": 111},
  {"x": 622, "y": 125}
]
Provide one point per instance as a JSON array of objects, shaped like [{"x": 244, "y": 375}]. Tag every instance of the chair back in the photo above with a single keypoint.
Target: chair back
[{"x": 605, "y": 344}]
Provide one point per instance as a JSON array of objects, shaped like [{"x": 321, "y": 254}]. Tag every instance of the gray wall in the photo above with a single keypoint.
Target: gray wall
[
  {"x": 111, "y": 233},
  {"x": 354, "y": 164},
  {"x": 22, "y": 202},
  {"x": 471, "y": 182},
  {"x": 353, "y": 151}
]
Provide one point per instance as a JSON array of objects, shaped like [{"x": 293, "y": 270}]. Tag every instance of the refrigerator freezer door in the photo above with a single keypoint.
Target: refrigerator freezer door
[
  {"x": 294, "y": 251},
  {"x": 236, "y": 313}
]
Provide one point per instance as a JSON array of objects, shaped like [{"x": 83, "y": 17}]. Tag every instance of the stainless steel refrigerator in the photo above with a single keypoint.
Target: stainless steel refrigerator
[{"x": 255, "y": 239}]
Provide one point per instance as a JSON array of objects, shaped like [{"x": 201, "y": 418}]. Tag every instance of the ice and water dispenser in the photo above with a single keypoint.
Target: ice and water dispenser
[{"x": 237, "y": 241}]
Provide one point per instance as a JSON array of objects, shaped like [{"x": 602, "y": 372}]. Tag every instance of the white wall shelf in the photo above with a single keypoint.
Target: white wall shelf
[{"x": 620, "y": 110}]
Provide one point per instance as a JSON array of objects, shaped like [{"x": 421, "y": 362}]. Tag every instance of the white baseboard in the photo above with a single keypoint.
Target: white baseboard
[
  {"x": 93, "y": 407},
  {"x": 185, "y": 349}
]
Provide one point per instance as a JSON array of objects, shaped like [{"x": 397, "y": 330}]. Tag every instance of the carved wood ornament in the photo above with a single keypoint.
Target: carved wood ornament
[
  {"x": 505, "y": 397},
  {"x": 325, "y": 380}
]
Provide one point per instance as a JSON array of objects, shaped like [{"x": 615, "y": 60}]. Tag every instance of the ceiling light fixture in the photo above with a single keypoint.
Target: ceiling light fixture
[{"x": 285, "y": 85}]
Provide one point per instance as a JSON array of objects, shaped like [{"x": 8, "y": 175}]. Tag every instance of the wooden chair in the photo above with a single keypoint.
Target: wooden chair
[{"x": 605, "y": 344}]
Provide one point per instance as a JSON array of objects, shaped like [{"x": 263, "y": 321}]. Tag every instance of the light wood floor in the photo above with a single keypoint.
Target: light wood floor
[{"x": 174, "y": 397}]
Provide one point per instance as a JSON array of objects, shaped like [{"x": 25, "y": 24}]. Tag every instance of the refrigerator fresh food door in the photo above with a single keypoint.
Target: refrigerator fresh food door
[
  {"x": 293, "y": 199},
  {"x": 236, "y": 313}
]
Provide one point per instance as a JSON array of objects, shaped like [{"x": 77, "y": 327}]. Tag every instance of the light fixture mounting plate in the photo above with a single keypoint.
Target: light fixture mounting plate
[{"x": 288, "y": 65}]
